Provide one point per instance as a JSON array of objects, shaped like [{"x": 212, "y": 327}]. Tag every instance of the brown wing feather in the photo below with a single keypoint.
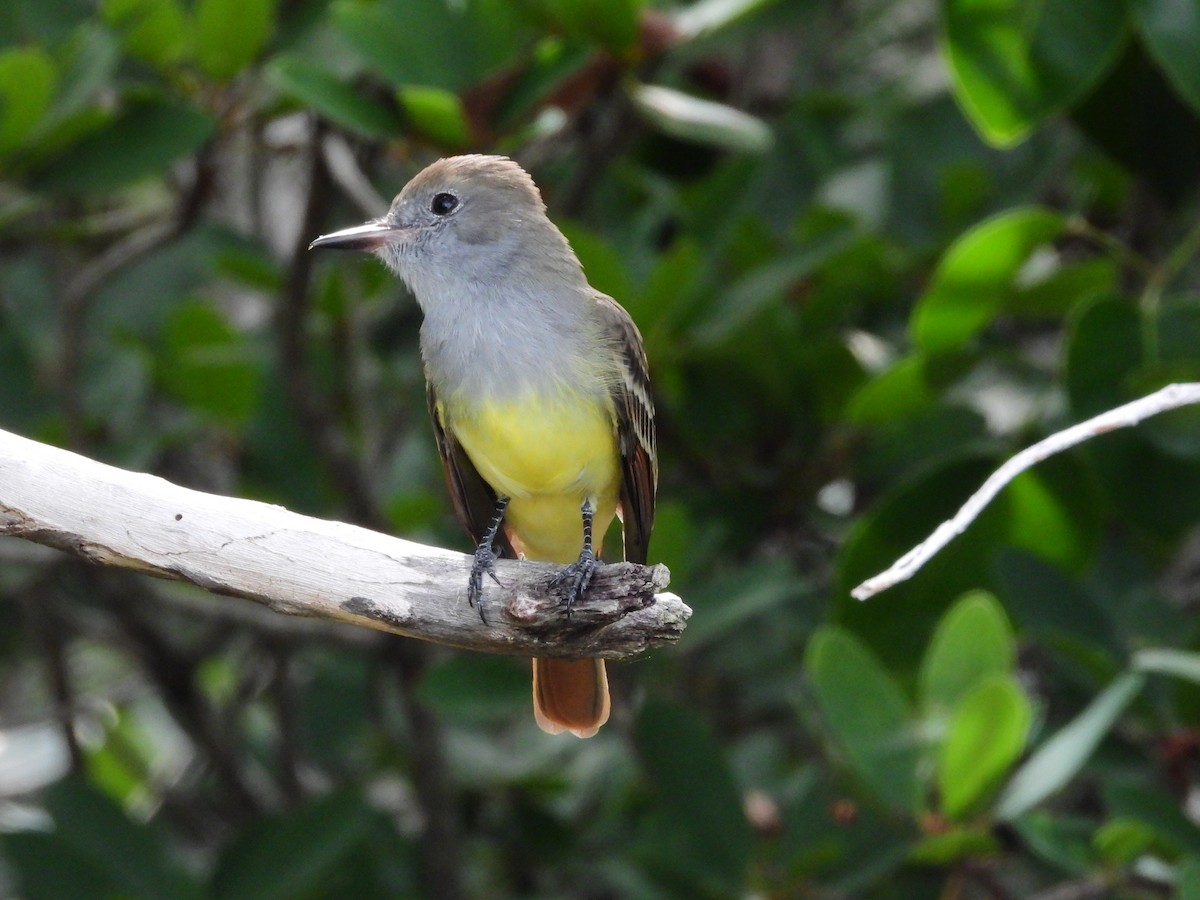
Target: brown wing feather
[
  {"x": 473, "y": 498},
  {"x": 635, "y": 430}
]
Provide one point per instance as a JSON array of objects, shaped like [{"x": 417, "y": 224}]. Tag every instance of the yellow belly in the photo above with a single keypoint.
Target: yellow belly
[{"x": 548, "y": 456}]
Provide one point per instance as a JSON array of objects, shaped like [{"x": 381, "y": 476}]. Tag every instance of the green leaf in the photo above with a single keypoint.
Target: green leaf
[
  {"x": 88, "y": 63},
  {"x": 767, "y": 285},
  {"x": 142, "y": 141},
  {"x": 1014, "y": 62},
  {"x": 27, "y": 79},
  {"x": 973, "y": 641},
  {"x": 1062, "y": 756},
  {"x": 1171, "y": 31},
  {"x": 710, "y": 16},
  {"x": 1103, "y": 348},
  {"x": 231, "y": 33},
  {"x": 867, "y": 713},
  {"x": 1054, "y": 517},
  {"x": 1187, "y": 883},
  {"x": 477, "y": 688},
  {"x": 291, "y": 855},
  {"x": 949, "y": 846},
  {"x": 701, "y": 121},
  {"x": 432, "y": 42},
  {"x": 986, "y": 736},
  {"x": 437, "y": 114},
  {"x": 897, "y": 394},
  {"x": 976, "y": 277},
  {"x": 208, "y": 365},
  {"x": 697, "y": 789},
  {"x": 1156, "y": 809},
  {"x": 45, "y": 867},
  {"x": 153, "y": 30},
  {"x": 1120, "y": 841},
  {"x": 733, "y": 600},
  {"x": 132, "y": 855},
  {"x": 613, "y": 24},
  {"x": 330, "y": 96},
  {"x": 1063, "y": 841}
]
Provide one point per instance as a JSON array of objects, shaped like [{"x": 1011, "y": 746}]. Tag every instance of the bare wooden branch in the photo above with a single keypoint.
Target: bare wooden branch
[
  {"x": 312, "y": 567},
  {"x": 1172, "y": 396}
]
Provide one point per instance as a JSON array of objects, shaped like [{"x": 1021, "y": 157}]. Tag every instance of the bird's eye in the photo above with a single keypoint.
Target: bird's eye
[{"x": 443, "y": 204}]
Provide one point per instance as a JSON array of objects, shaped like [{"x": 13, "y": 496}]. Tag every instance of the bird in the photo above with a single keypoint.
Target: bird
[{"x": 538, "y": 390}]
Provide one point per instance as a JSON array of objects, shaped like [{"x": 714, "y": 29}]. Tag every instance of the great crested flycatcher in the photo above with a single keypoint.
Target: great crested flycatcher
[{"x": 537, "y": 386}]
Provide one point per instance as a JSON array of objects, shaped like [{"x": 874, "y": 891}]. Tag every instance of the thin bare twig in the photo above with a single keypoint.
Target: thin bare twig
[{"x": 1170, "y": 397}]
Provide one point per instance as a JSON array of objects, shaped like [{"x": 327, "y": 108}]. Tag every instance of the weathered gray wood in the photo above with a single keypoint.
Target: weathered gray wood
[{"x": 303, "y": 566}]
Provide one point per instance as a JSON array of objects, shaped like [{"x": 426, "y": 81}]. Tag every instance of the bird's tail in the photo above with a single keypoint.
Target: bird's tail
[{"x": 570, "y": 695}]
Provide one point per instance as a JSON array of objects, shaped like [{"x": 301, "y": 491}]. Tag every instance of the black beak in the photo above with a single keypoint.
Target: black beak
[{"x": 370, "y": 236}]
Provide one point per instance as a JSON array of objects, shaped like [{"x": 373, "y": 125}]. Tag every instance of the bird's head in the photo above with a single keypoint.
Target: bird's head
[{"x": 463, "y": 218}]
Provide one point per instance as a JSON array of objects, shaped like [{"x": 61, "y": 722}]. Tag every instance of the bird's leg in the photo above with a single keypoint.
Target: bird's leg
[
  {"x": 578, "y": 575},
  {"x": 485, "y": 559}
]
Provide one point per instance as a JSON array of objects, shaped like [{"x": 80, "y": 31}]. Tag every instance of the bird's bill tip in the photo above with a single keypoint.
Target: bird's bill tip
[{"x": 370, "y": 236}]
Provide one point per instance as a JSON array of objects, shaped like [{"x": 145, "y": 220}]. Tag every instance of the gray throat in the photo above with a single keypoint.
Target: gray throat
[{"x": 499, "y": 344}]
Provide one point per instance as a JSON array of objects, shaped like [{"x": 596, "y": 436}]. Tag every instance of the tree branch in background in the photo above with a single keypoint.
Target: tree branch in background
[
  {"x": 312, "y": 567},
  {"x": 1170, "y": 397},
  {"x": 315, "y": 417}
]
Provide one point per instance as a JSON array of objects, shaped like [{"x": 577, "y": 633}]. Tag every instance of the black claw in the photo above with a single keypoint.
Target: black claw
[
  {"x": 579, "y": 573},
  {"x": 485, "y": 560},
  {"x": 577, "y": 576}
]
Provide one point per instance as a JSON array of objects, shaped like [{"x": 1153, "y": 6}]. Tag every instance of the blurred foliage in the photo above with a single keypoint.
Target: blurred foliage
[{"x": 874, "y": 247}]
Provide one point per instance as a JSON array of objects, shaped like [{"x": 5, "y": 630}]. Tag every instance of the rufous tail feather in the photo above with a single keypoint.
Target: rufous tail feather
[{"x": 570, "y": 695}]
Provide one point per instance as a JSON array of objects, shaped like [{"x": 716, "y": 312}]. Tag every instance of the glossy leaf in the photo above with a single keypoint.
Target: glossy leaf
[
  {"x": 1187, "y": 884},
  {"x": 230, "y": 34},
  {"x": 329, "y": 95},
  {"x": 1171, "y": 31},
  {"x": 768, "y": 285},
  {"x": 431, "y": 42},
  {"x": 976, "y": 277},
  {"x": 208, "y": 365},
  {"x": 1121, "y": 841},
  {"x": 1158, "y": 810},
  {"x": 613, "y": 24},
  {"x": 46, "y": 867},
  {"x": 900, "y": 392},
  {"x": 153, "y": 30},
  {"x": 710, "y": 16},
  {"x": 986, "y": 735},
  {"x": 1014, "y": 62},
  {"x": 130, "y": 854},
  {"x": 698, "y": 788},
  {"x": 867, "y": 713},
  {"x": 1061, "y": 757},
  {"x": 950, "y": 846},
  {"x": 973, "y": 643},
  {"x": 437, "y": 114},
  {"x": 141, "y": 142},
  {"x": 475, "y": 687},
  {"x": 701, "y": 121},
  {"x": 27, "y": 80},
  {"x": 291, "y": 855}
]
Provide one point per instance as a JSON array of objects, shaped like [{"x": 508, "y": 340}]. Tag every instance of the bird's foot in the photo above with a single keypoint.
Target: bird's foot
[
  {"x": 576, "y": 577},
  {"x": 485, "y": 561}
]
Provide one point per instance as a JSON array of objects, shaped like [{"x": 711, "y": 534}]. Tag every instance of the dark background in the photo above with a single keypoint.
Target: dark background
[{"x": 874, "y": 248}]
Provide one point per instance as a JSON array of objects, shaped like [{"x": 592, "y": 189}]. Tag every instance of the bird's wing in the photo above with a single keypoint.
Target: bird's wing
[
  {"x": 635, "y": 429},
  {"x": 473, "y": 498}
]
